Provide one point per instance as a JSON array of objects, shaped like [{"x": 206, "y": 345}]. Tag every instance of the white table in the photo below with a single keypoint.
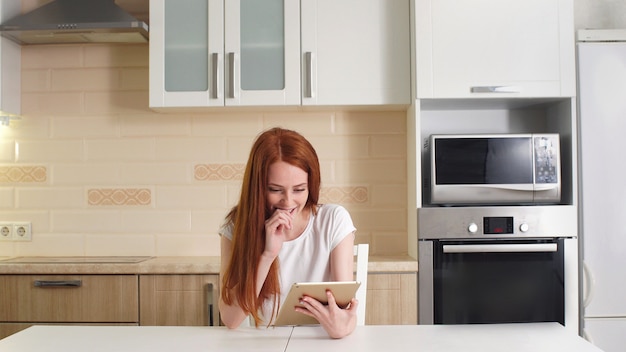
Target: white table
[{"x": 539, "y": 337}]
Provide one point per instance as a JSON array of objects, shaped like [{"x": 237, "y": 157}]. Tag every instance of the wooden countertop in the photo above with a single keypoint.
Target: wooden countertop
[{"x": 171, "y": 265}]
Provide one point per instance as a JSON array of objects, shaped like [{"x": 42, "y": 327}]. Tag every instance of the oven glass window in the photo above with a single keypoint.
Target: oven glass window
[
  {"x": 498, "y": 287},
  {"x": 465, "y": 161}
]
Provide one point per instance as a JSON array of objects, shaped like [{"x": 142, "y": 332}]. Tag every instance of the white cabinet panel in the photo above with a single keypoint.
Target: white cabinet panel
[
  {"x": 355, "y": 52},
  {"x": 487, "y": 48},
  {"x": 607, "y": 334},
  {"x": 215, "y": 53}
]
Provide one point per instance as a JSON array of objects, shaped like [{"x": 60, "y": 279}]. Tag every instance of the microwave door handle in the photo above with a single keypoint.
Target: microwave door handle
[
  {"x": 546, "y": 187},
  {"x": 499, "y": 248}
]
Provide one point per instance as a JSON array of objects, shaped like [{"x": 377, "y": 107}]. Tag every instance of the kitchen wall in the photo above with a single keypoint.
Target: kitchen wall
[{"x": 98, "y": 173}]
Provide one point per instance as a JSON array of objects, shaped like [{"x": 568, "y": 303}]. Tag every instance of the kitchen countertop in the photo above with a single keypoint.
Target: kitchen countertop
[
  {"x": 165, "y": 265},
  {"x": 535, "y": 337}
]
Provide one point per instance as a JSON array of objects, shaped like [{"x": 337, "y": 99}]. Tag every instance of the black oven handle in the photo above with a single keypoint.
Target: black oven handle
[{"x": 499, "y": 248}]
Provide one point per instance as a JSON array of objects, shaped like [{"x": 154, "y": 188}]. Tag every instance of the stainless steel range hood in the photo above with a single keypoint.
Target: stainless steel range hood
[{"x": 75, "y": 21}]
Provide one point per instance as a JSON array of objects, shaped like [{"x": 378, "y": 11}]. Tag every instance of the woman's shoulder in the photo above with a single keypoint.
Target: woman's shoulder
[{"x": 331, "y": 210}]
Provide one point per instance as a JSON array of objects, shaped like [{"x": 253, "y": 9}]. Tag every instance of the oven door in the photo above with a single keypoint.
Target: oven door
[{"x": 498, "y": 281}]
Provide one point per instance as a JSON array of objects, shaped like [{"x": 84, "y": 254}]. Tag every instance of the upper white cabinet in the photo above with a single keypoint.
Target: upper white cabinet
[
  {"x": 10, "y": 64},
  {"x": 494, "y": 48},
  {"x": 355, "y": 52},
  {"x": 206, "y": 53},
  {"x": 224, "y": 53}
]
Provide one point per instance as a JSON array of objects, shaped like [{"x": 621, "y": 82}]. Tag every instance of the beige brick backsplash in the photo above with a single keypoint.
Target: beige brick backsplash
[
  {"x": 218, "y": 172},
  {"x": 122, "y": 179},
  {"x": 23, "y": 174},
  {"x": 119, "y": 196},
  {"x": 50, "y": 150},
  {"x": 71, "y": 103},
  {"x": 7, "y": 196},
  {"x": 83, "y": 79},
  {"x": 344, "y": 195},
  {"x": 7, "y": 150}
]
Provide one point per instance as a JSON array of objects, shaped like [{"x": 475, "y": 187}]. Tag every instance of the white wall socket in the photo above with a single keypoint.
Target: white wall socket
[
  {"x": 6, "y": 231},
  {"x": 22, "y": 231}
]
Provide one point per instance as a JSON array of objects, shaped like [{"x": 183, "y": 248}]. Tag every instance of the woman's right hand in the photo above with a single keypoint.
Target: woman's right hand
[{"x": 276, "y": 229}]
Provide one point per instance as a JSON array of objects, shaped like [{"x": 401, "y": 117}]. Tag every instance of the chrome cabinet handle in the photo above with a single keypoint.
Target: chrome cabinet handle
[
  {"x": 308, "y": 64},
  {"x": 499, "y": 248},
  {"x": 216, "y": 90},
  {"x": 58, "y": 283},
  {"x": 231, "y": 75},
  {"x": 495, "y": 89}
]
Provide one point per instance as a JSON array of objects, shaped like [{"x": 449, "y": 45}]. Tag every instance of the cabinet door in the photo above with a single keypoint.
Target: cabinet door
[
  {"x": 355, "y": 52},
  {"x": 179, "y": 300},
  {"x": 262, "y": 52},
  {"x": 391, "y": 299},
  {"x": 69, "y": 298},
  {"x": 486, "y": 48},
  {"x": 186, "y": 53}
]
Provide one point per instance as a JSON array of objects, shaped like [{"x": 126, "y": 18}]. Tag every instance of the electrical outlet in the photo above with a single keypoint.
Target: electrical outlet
[
  {"x": 22, "y": 231},
  {"x": 6, "y": 231}
]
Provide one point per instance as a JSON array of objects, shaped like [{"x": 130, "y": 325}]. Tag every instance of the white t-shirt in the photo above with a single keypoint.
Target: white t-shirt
[{"x": 307, "y": 258}]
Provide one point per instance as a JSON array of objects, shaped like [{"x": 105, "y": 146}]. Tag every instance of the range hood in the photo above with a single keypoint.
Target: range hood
[{"x": 75, "y": 21}]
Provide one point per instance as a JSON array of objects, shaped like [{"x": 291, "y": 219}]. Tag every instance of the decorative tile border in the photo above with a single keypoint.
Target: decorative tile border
[
  {"x": 218, "y": 172},
  {"x": 23, "y": 174},
  {"x": 119, "y": 196},
  {"x": 344, "y": 195}
]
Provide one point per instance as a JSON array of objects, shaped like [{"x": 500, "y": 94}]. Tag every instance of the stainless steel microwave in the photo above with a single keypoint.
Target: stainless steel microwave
[{"x": 492, "y": 169}]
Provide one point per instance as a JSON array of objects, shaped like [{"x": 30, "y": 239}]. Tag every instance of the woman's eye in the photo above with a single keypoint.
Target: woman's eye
[
  {"x": 300, "y": 190},
  {"x": 274, "y": 190}
]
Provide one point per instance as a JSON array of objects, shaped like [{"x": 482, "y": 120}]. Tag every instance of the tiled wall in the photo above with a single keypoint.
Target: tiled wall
[{"x": 98, "y": 173}]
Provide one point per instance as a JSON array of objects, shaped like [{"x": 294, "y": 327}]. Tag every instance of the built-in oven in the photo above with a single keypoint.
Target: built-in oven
[{"x": 480, "y": 265}]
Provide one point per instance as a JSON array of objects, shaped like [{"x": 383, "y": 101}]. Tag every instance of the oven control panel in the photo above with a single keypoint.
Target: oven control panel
[{"x": 496, "y": 222}]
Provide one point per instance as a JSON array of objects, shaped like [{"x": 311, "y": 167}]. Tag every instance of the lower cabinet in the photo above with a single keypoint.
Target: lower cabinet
[
  {"x": 391, "y": 299},
  {"x": 175, "y": 300},
  {"x": 180, "y": 300},
  {"x": 26, "y": 300}
]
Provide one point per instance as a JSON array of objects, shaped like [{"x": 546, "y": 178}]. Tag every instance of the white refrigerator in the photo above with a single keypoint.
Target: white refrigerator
[{"x": 602, "y": 152}]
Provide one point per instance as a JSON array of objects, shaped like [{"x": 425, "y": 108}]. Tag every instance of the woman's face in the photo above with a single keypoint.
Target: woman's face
[{"x": 287, "y": 187}]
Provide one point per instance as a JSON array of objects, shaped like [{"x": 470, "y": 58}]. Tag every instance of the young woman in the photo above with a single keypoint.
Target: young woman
[{"x": 278, "y": 234}]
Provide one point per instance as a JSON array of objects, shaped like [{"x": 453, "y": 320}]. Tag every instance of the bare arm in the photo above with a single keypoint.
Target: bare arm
[{"x": 337, "y": 322}]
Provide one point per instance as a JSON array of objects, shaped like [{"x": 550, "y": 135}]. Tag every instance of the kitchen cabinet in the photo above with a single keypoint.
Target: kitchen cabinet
[
  {"x": 207, "y": 53},
  {"x": 67, "y": 299},
  {"x": 213, "y": 53},
  {"x": 10, "y": 64},
  {"x": 391, "y": 299},
  {"x": 492, "y": 67},
  {"x": 492, "y": 48},
  {"x": 355, "y": 52},
  {"x": 179, "y": 300}
]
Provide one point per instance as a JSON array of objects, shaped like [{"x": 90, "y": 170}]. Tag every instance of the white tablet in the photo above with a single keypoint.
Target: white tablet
[{"x": 342, "y": 290}]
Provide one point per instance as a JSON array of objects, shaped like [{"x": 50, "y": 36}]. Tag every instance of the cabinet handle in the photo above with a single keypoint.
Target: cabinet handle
[
  {"x": 231, "y": 75},
  {"x": 216, "y": 90},
  {"x": 59, "y": 283},
  {"x": 209, "y": 290},
  {"x": 496, "y": 89},
  {"x": 499, "y": 248},
  {"x": 308, "y": 64}
]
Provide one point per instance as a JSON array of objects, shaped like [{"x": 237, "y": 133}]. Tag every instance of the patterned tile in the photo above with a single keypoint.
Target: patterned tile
[
  {"x": 119, "y": 196},
  {"x": 343, "y": 195},
  {"x": 218, "y": 172},
  {"x": 25, "y": 174}
]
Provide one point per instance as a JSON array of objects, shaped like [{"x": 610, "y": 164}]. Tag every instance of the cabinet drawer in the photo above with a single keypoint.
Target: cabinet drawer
[{"x": 69, "y": 298}]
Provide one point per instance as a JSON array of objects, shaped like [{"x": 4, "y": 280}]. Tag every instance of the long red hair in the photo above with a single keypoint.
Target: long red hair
[{"x": 248, "y": 218}]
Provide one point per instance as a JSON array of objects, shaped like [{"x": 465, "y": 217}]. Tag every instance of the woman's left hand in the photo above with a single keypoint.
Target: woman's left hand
[{"x": 338, "y": 322}]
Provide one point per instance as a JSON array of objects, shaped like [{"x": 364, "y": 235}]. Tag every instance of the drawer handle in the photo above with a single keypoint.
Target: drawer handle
[
  {"x": 59, "y": 283},
  {"x": 496, "y": 89}
]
